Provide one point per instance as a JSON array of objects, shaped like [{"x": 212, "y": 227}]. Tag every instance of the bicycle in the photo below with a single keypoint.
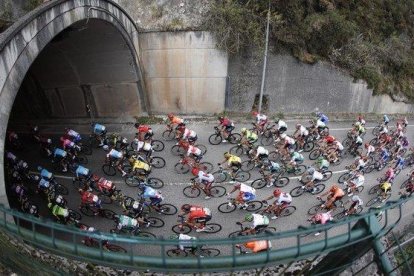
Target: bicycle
[
  {"x": 337, "y": 207},
  {"x": 240, "y": 149},
  {"x": 217, "y": 137},
  {"x": 168, "y": 134},
  {"x": 243, "y": 231},
  {"x": 196, "y": 252},
  {"x": 156, "y": 145},
  {"x": 195, "y": 190},
  {"x": 135, "y": 231},
  {"x": 300, "y": 190},
  {"x": 348, "y": 189},
  {"x": 137, "y": 180},
  {"x": 270, "y": 180},
  {"x": 110, "y": 168},
  {"x": 184, "y": 228},
  {"x": 92, "y": 211},
  {"x": 223, "y": 175},
  {"x": 345, "y": 213},
  {"x": 284, "y": 212},
  {"x": 231, "y": 206},
  {"x": 378, "y": 197},
  {"x": 181, "y": 149},
  {"x": 186, "y": 163},
  {"x": 162, "y": 209}
]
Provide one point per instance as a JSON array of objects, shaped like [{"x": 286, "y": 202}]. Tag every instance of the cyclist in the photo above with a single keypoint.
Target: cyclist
[
  {"x": 384, "y": 155},
  {"x": 386, "y": 119},
  {"x": 399, "y": 162},
  {"x": 134, "y": 208},
  {"x": 356, "y": 143},
  {"x": 61, "y": 213},
  {"x": 389, "y": 175},
  {"x": 334, "y": 194},
  {"x": 282, "y": 200},
  {"x": 59, "y": 156},
  {"x": 289, "y": 143},
  {"x": 88, "y": 198},
  {"x": 319, "y": 127},
  {"x": 197, "y": 216},
  {"x": 300, "y": 134},
  {"x": 67, "y": 144},
  {"x": 322, "y": 164},
  {"x": 226, "y": 127},
  {"x": 370, "y": 149},
  {"x": 385, "y": 188},
  {"x": 117, "y": 158},
  {"x": 259, "y": 154},
  {"x": 45, "y": 174},
  {"x": 233, "y": 162},
  {"x": 72, "y": 135},
  {"x": 103, "y": 185},
  {"x": 361, "y": 120},
  {"x": 321, "y": 218},
  {"x": 204, "y": 178},
  {"x": 248, "y": 137},
  {"x": 195, "y": 153},
  {"x": 355, "y": 182},
  {"x": 139, "y": 165},
  {"x": 261, "y": 120},
  {"x": 259, "y": 222},
  {"x": 11, "y": 159},
  {"x": 100, "y": 132},
  {"x": 314, "y": 176},
  {"x": 20, "y": 192},
  {"x": 174, "y": 120},
  {"x": 46, "y": 145},
  {"x": 360, "y": 163},
  {"x": 185, "y": 242},
  {"x": 295, "y": 158},
  {"x": 186, "y": 134},
  {"x": 59, "y": 200},
  {"x": 257, "y": 246},
  {"x": 281, "y": 126},
  {"x": 144, "y": 147},
  {"x": 144, "y": 132},
  {"x": 408, "y": 190},
  {"x": 154, "y": 196},
  {"x": 359, "y": 128},
  {"x": 246, "y": 194},
  {"x": 131, "y": 224},
  {"x": 356, "y": 201}
]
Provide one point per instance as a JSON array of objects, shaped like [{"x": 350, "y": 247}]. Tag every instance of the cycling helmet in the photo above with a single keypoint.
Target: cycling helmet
[
  {"x": 221, "y": 118},
  {"x": 18, "y": 189},
  {"x": 298, "y": 125},
  {"x": 334, "y": 187},
  {"x": 91, "y": 229},
  {"x": 248, "y": 217},
  {"x": 170, "y": 115},
  {"x": 135, "y": 205},
  {"x": 390, "y": 170},
  {"x": 237, "y": 185},
  {"x": 243, "y": 130},
  {"x": 39, "y": 168},
  {"x": 35, "y": 128},
  {"x": 318, "y": 217},
  {"x": 227, "y": 154},
  {"x": 174, "y": 237},
  {"x": 185, "y": 207},
  {"x": 105, "y": 147},
  {"x": 24, "y": 165},
  {"x": 277, "y": 192},
  {"x": 49, "y": 141},
  {"x": 255, "y": 113},
  {"x": 355, "y": 198},
  {"x": 283, "y": 135},
  {"x": 366, "y": 145},
  {"x": 195, "y": 171},
  {"x": 59, "y": 199},
  {"x": 136, "y": 125},
  {"x": 311, "y": 170},
  {"x": 36, "y": 178}
]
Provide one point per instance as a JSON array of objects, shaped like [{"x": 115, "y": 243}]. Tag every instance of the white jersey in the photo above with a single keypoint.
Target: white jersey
[
  {"x": 261, "y": 117},
  {"x": 259, "y": 220},
  {"x": 194, "y": 150},
  {"x": 185, "y": 241},
  {"x": 303, "y": 131},
  {"x": 143, "y": 145},
  {"x": 370, "y": 149},
  {"x": 281, "y": 124},
  {"x": 339, "y": 145},
  {"x": 207, "y": 177},
  {"x": 289, "y": 140},
  {"x": 284, "y": 198},
  {"x": 189, "y": 133},
  {"x": 319, "y": 123},
  {"x": 361, "y": 162},
  {"x": 317, "y": 176},
  {"x": 358, "y": 200},
  {"x": 72, "y": 133},
  {"x": 247, "y": 189},
  {"x": 262, "y": 150},
  {"x": 359, "y": 181}
]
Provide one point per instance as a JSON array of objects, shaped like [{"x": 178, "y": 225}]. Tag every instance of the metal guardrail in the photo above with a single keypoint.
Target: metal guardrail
[{"x": 150, "y": 254}]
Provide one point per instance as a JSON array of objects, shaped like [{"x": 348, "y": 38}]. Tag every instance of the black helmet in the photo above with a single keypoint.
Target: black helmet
[{"x": 186, "y": 207}]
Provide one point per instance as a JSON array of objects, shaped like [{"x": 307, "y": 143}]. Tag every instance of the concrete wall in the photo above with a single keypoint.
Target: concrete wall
[{"x": 184, "y": 72}]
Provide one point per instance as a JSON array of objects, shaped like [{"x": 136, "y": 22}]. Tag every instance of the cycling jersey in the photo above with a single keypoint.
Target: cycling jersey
[
  {"x": 189, "y": 134},
  {"x": 274, "y": 167},
  {"x": 257, "y": 246},
  {"x": 324, "y": 118},
  {"x": 126, "y": 221},
  {"x": 320, "y": 124},
  {"x": 74, "y": 135},
  {"x": 249, "y": 193},
  {"x": 198, "y": 212},
  {"x": 140, "y": 165},
  {"x": 289, "y": 140},
  {"x": 151, "y": 193},
  {"x": 324, "y": 164},
  {"x": 176, "y": 120},
  {"x": 339, "y": 145},
  {"x": 205, "y": 177},
  {"x": 114, "y": 154},
  {"x": 186, "y": 241},
  {"x": 59, "y": 153},
  {"x": 317, "y": 176},
  {"x": 44, "y": 184},
  {"x": 261, "y": 151},
  {"x": 144, "y": 128},
  {"x": 98, "y": 129},
  {"x": 281, "y": 125},
  {"x": 81, "y": 171},
  {"x": 67, "y": 144},
  {"x": 329, "y": 139},
  {"x": 297, "y": 157},
  {"x": 89, "y": 198},
  {"x": 357, "y": 201},
  {"x": 251, "y": 136},
  {"x": 384, "y": 154},
  {"x": 325, "y": 217},
  {"x": 338, "y": 193},
  {"x": 143, "y": 145},
  {"x": 11, "y": 157},
  {"x": 233, "y": 159},
  {"x": 370, "y": 149},
  {"x": 46, "y": 174},
  {"x": 386, "y": 119},
  {"x": 105, "y": 185},
  {"x": 359, "y": 140},
  {"x": 385, "y": 187},
  {"x": 194, "y": 150},
  {"x": 303, "y": 131},
  {"x": 359, "y": 181},
  {"x": 261, "y": 118},
  {"x": 259, "y": 220},
  {"x": 226, "y": 122},
  {"x": 284, "y": 198},
  {"x": 58, "y": 210}
]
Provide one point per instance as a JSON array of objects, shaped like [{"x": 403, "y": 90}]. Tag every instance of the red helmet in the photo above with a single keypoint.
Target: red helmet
[
  {"x": 170, "y": 115},
  {"x": 334, "y": 188},
  {"x": 95, "y": 177},
  {"x": 255, "y": 113},
  {"x": 366, "y": 145},
  {"x": 277, "y": 192},
  {"x": 195, "y": 171}
]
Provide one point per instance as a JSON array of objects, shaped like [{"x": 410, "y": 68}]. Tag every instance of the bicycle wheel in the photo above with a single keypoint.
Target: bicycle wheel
[
  {"x": 314, "y": 154},
  {"x": 326, "y": 175},
  {"x": 87, "y": 211},
  {"x": 300, "y": 170},
  {"x": 62, "y": 190},
  {"x": 155, "y": 222},
  {"x": 374, "y": 190},
  {"x": 404, "y": 184},
  {"x": 347, "y": 142},
  {"x": 318, "y": 188},
  {"x": 105, "y": 198},
  {"x": 287, "y": 211},
  {"x": 359, "y": 189},
  {"x": 274, "y": 156},
  {"x": 369, "y": 168},
  {"x": 177, "y": 150},
  {"x": 157, "y": 145},
  {"x": 158, "y": 162},
  {"x": 344, "y": 177},
  {"x": 206, "y": 167},
  {"x": 234, "y": 138},
  {"x": 226, "y": 208},
  {"x": 108, "y": 170},
  {"x": 202, "y": 148},
  {"x": 109, "y": 214},
  {"x": 297, "y": 191},
  {"x": 254, "y": 205},
  {"x": 132, "y": 181},
  {"x": 182, "y": 168},
  {"x": 308, "y": 146},
  {"x": 236, "y": 150},
  {"x": 242, "y": 176},
  {"x": 237, "y": 234},
  {"x": 217, "y": 191},
  {"x": 181, "y": 229},
  {"x": 376, "y": 130},
  {"x": 74, "y": 215},
  {"x": 168, "y": 209},
  {"x": 176, "y": 253},
  {"x": 373, "y": 201},
  {"x": 281, "y": 182},
  {"x": 247, "y": 165},
  {"x": 191, "y": 192},
  {"x": 220, "y": 176},
  {"x": 115, "y": 248},
  {"x": 212, "y": 228},
  {"x": 155, "y": 183},
  {"x": 209, "y": 252},
  {"x": 215, "y": 139},
  {"x": 340, "y": 215},
  {"x": 144, "y": 234},
  {"x": 258, "y": 183},
  {"x": 315, "y": 209},
  {"x": 266, "y": 140},
  {"x": 168, "y": 135}
]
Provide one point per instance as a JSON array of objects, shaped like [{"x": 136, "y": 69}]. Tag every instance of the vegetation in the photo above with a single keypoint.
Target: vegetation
[
  {"x": 371, "y": 39},
  {"x": 32, "y": 4}
]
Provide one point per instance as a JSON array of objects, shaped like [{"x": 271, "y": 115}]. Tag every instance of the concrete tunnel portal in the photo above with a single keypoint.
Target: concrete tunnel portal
[{"x": 64, "y": 59}]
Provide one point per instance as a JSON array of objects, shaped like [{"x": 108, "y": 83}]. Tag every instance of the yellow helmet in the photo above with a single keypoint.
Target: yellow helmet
[
  {"x": 227, "y": 155},
  {"x": 243, "y": 130}
]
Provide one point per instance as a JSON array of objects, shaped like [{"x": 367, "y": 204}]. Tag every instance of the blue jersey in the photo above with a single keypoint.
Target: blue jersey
[
  {"x": 60, "y": 153},
  {"x": 386, "y": 119},
  {"x": 385, "y": 154},
  {"x": 46, "y": 174},
  {"x": 82, "y": 171},
  {"x": 98, "y": 129},
  {"x": 324, "y": 119}
]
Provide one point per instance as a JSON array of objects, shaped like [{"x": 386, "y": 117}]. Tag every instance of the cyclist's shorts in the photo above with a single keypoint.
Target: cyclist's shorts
[
  {"x": 203, "y": 219},
  {"x": 155, "y": 200},
  {"x": 258, "y": 227},
  {"x": 235, "y": 165},
  {"x": 229, "y": 128},
  {"x": 248, "y": 196}
]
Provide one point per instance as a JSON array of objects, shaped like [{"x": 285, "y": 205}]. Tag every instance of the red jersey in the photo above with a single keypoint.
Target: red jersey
[
  {"x": 88, "y": 198},
  {"x": 143, "y": 128},
  {"x": 105, "y": 185},
  {"x": 196, "y": 212}
]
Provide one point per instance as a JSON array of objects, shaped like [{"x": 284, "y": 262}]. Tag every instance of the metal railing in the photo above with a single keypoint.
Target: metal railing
[{"x": 150, "y": 254}]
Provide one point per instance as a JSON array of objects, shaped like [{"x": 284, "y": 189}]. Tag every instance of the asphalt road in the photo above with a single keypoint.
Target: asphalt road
[{"x": 174, "y": 183}]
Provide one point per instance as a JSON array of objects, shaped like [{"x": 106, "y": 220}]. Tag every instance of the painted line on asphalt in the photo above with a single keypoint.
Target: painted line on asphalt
[
  {"x": 179, "y": 183},
  {"x": 365, "y": 128}
]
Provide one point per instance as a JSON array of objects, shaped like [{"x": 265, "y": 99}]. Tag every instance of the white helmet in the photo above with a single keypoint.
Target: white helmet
[
  {"x": 105, "y": 147},
  {"x": 357, "y": 123},
  {"x": 91, "y": 229},
  {"x": 135, "y": 205},
  {"x": 355, "y": 198}
]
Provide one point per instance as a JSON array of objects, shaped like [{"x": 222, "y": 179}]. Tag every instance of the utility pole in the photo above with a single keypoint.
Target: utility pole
[{"x": 265, "y": 61}]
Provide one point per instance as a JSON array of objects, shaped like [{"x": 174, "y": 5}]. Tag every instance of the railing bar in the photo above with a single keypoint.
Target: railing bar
[{"x": 401, "y": 264}]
